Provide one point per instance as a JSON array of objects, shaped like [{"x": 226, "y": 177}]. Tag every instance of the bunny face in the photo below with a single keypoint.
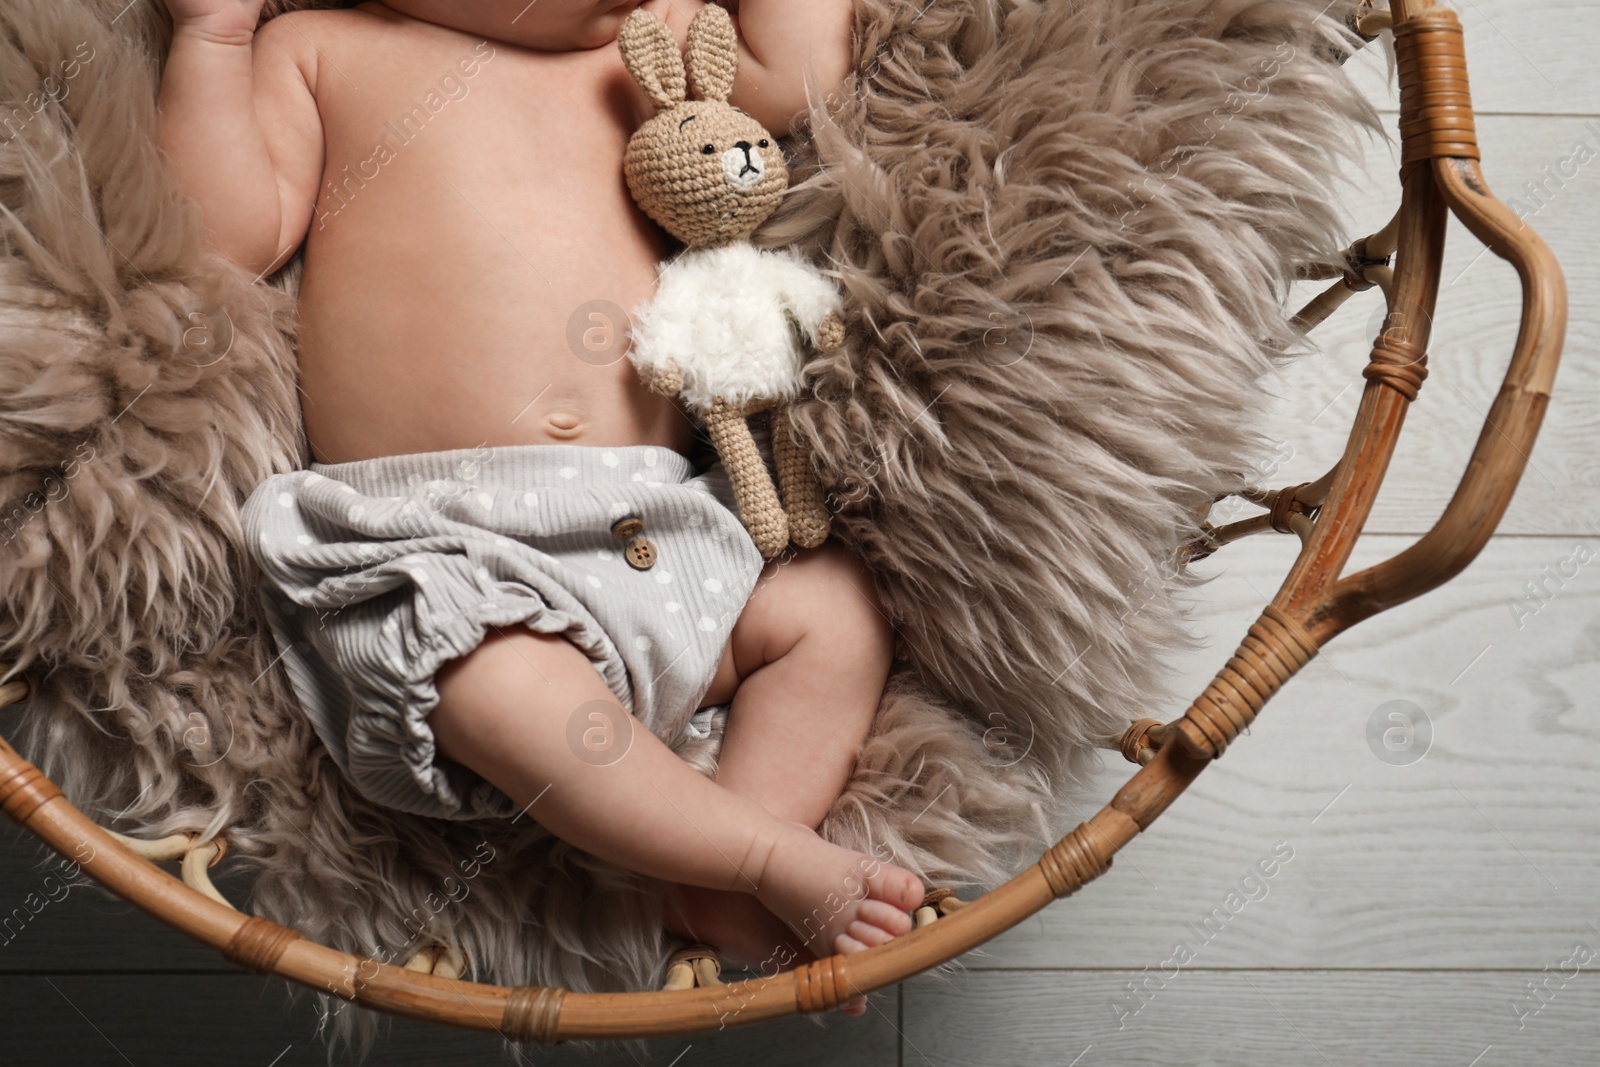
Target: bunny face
[
  {"x": 706, "y": 172},
  {"x": 703, "y": 169}
]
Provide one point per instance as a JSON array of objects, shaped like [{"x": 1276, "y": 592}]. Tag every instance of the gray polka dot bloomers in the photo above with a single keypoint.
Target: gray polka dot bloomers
[{"x": 378, "y": 571}]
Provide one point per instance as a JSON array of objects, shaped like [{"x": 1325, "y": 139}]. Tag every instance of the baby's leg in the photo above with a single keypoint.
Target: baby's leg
[
  {"x": 805, "y": 669},
  {"x": 504, "y": 711},
  {"x": 809, "y": 657}
]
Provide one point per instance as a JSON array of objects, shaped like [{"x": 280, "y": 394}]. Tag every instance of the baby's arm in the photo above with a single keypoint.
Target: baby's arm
[
  {"x": 788, "y": 46},
  {"x": 240, "y": 129}
]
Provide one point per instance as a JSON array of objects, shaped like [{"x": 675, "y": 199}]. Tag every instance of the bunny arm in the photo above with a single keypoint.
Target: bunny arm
[
  {"x": 664, "y": 378},
  {"x": 810, "y": 299},
  {"x": 830, "y": 332}
]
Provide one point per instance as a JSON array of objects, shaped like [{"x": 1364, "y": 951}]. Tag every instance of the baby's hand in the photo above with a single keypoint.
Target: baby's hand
[{"x": 221, "y": 20}]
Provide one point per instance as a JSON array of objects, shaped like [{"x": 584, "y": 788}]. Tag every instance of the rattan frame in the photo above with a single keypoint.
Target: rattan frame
[{"x": 1439, "y": 172}]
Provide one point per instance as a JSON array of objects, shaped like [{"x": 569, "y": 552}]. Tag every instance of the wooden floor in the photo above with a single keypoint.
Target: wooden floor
[{"x": 1417, "y": 898}]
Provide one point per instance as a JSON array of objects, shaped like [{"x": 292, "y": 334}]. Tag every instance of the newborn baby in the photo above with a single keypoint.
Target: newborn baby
[{"x": 501, "y": 561}]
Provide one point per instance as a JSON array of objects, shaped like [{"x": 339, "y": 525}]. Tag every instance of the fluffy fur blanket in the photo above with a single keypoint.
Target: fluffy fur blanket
[{"x": 1066, "y": 232}]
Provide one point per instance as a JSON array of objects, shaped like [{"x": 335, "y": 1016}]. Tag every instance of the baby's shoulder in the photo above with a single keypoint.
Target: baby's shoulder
[{"x": 307, "y": 31}]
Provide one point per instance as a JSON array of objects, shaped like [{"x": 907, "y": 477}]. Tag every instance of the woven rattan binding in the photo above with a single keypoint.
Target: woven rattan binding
[
  {"x": 531, "y": 1014},
  {"x": 259, "y": 944},
  {"x": 1435, "y": 104}
]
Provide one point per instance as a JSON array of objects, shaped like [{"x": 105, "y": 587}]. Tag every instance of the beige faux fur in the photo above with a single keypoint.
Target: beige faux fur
[{"x": 1065, "y": 232}]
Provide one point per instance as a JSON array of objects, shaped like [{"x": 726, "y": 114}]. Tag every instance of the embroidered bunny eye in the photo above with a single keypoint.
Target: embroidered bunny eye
[{"x": 707, "y": 150}]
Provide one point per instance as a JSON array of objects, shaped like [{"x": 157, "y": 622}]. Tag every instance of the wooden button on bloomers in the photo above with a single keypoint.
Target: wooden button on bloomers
[
  {"x": 640, "y": 553},
  {"x": 638, "y": 550}
]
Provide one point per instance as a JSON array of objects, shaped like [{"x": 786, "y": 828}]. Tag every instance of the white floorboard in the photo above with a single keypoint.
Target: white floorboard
[
  {"x": 1523, "y": 56},
  {"x": 1478, "y": 854},
  {"x": 1254, "y": 1018}
]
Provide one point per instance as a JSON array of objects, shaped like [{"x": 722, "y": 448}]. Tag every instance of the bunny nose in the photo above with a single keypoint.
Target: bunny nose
[{"x": 742, "y": 168}]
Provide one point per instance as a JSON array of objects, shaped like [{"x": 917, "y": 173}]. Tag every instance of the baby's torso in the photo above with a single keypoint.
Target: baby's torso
[{"x": 474, "y": 248}]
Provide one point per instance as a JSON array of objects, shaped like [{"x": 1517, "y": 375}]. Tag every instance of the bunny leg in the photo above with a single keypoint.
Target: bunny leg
[
  {"x": 753, "y": 491},
  {"x": 830, "y": 332},
  {"x": 797, "y": 483}
]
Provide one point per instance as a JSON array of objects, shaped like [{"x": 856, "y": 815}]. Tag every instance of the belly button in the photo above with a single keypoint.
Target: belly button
[{"x": 563, "y": 424}]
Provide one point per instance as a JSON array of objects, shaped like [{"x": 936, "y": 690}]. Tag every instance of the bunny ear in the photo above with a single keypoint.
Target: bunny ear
[
  {"x": 713, "y": 53},
  {"x": 650, "y": 53}
]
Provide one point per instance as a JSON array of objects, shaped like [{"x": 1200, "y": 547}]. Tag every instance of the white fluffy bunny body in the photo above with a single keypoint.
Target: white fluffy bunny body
[{"x": 735, "y": 321}]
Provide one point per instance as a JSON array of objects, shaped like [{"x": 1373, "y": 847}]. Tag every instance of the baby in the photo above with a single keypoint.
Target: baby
[{"x": 501, "y": 543}]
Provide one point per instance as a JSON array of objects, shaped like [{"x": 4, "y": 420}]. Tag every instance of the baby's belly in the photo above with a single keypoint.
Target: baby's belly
[
  {"x": 414, "y": 353},
  {"x": 474, "y": 290},
  {"x": 427, "y": 362}
]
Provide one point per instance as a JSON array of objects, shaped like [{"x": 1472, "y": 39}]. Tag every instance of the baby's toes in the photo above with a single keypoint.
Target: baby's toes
[
  {"x": 844, "y": 944},
  {"x": 897, "y": 886},
  {"x": 868, "y": 934},
  {"x": 891, "y": 920}
]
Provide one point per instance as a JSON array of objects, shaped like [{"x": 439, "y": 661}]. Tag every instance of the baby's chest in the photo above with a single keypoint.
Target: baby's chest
[
  {"x": 488, "y": 158},
  {"x": 510, "y": 121}
]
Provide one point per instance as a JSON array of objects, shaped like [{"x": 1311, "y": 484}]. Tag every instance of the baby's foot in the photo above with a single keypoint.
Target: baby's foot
[
  {"x": 736, "y": 924},
  {"x": 835, "y": 900},
  {"x": 742, "y": 930}
]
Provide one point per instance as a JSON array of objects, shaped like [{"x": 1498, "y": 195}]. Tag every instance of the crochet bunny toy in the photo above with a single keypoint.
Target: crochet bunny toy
[{"x": 724, "y": 330}]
